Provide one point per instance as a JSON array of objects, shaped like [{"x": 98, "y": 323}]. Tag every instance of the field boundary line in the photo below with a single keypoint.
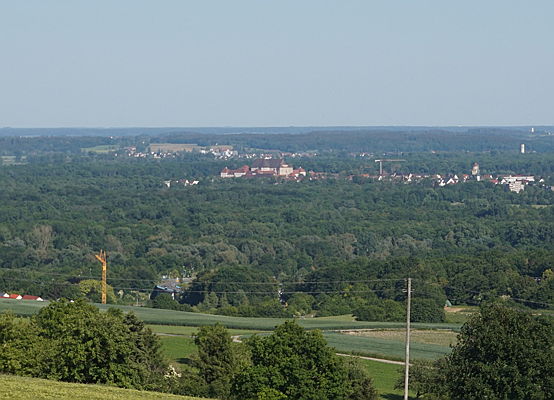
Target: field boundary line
[{"x": 383, "y": 360}]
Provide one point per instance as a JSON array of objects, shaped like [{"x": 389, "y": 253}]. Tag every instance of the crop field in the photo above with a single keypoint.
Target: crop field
[
  {"x": 170, "y": 317},
  {"x": 20, "y": 388},
  {"x": 191, "y": 330},
  {"x": 435, "y": 336},
  {"x": 383, "y": 348},
  {"x": 178, "y": 348},
  {"x": 459, "y": 315}
]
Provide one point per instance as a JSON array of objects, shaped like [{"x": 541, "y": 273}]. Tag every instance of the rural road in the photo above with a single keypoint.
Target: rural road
[{"x": 372, "y": 359}]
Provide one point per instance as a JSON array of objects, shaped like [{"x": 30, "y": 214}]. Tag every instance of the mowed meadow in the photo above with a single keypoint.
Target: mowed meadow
[{"x": 21, "y": 388}]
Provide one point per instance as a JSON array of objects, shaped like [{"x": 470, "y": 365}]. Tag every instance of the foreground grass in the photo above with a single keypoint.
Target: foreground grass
[{"x": 20, "y": 388}]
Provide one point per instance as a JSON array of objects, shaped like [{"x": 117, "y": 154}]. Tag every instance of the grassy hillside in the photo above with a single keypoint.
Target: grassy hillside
[
  {"x": 169, "y": 317},
  {"x": 19, "y": 388}
]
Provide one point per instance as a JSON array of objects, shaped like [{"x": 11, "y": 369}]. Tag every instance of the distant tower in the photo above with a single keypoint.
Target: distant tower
[
  {"x": 522, "y": 148},
  {"x": 475, "y": 169}
]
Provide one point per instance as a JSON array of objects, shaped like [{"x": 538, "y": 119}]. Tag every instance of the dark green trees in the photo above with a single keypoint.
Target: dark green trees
[
  {"x": 296, "y": 364},
  {"x": 291, "y": 364},
  {"x": 502, "y": 354},
  {"x": 75, "y": 342},
  {"x": 219, "y": 359}
]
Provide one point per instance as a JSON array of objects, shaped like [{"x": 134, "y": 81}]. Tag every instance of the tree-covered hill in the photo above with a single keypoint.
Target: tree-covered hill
[{"x": 466, "y": 242}]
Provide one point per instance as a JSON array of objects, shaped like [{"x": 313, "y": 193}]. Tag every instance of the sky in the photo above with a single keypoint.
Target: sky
[{"x": 106, "y": 63}]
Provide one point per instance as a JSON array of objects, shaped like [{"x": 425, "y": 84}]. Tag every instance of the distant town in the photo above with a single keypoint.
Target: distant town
[{"x": 277, "y": 168}]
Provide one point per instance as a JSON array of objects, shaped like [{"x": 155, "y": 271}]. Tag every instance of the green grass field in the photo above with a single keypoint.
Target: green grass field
[
  {"x": 181, "y": 323},
  {"x": 178, "y": 348},
  {"x": 169, "y": 317},
  {"x": 459, "y": 315},
  {"x": 441, "y": 337},
  {"x": 384, "y": 378},
  {"x": 190, "y": 330},
  {"x": 383, "y": 348},
  {"x": 20, "y": 388}
]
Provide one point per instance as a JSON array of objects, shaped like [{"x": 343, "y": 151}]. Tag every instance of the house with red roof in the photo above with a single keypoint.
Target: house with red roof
[{"x": 35, "y": 298}]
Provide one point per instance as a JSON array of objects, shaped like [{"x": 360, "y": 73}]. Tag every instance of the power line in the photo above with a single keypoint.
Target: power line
[
  {"x": 498, "y": 295},
  {"x": 68, "y": 275},
  {"x": 273, "y": 292}
]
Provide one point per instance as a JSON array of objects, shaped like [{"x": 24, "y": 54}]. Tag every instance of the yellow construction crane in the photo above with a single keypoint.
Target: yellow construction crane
[
  {"x": 102, "y": 258},
  {"x": 381, "y": 164}
]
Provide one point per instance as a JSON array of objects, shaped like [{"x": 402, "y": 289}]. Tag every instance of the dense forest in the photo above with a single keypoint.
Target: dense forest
[
  {"x": 277, "y": 248},
  {"x": 376, "y": 140}
]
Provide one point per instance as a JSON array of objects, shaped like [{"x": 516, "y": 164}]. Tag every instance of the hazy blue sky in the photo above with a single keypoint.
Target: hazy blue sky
[{"x": 276, "y": 62}]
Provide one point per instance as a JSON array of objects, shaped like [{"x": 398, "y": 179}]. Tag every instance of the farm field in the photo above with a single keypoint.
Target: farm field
[
  {"x": 184, "y": 323},
  {"x": 21, "y": 388},
  {"x": 459, "y": 315},
  {"x": 385, "y": 377},
  {"x": 178, "y": 348},
  {"x": 190, "y": 330},
  {"x": 383, "y": 348},
  {"x": 181, "y": 346},
  {"x": 169, "y": 317},
  {"x": 435, "y": 336}
]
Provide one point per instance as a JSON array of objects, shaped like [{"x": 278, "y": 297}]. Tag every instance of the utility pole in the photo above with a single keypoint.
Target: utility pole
[
  {"x": 408, "y": 309},
  {"x": 102, "y": 258}
]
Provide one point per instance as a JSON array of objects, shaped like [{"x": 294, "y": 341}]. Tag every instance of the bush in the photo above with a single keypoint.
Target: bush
[{"x": 426, "y": 310}]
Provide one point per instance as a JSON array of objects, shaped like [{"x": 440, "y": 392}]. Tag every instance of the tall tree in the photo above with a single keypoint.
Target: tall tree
[
  {"x": 296, "y": 364},
  {"x": 502, "y": 353},
  {"x": 219, "y": 359}
]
